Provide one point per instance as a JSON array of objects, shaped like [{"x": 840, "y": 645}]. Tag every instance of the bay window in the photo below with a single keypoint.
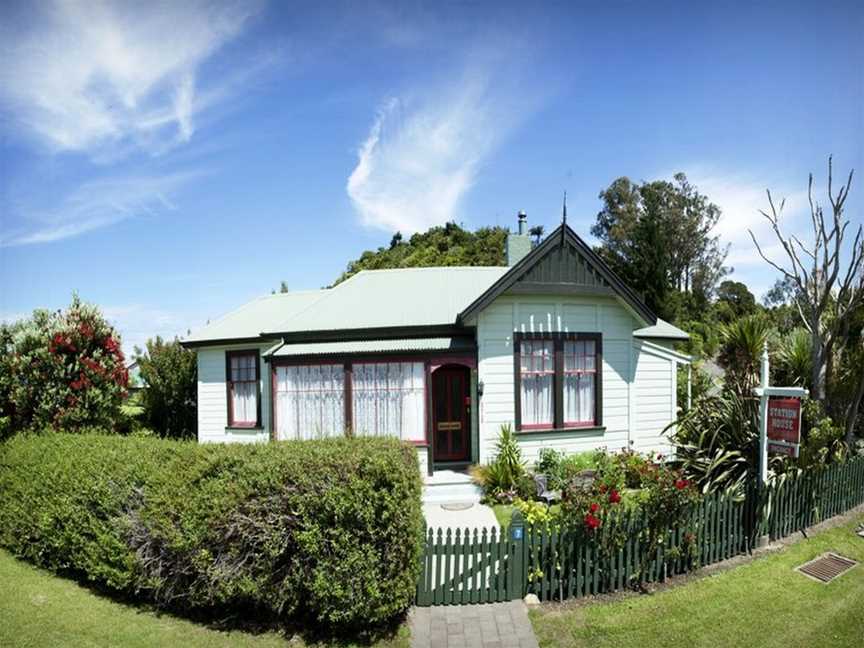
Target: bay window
[
  {"x": 373, "y": 398},
  {"x": 558, "y": 381},
  {"x": 243, "y": 373}
]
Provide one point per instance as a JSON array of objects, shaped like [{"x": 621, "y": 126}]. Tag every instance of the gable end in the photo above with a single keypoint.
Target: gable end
[{"x": 562, "y": 264}]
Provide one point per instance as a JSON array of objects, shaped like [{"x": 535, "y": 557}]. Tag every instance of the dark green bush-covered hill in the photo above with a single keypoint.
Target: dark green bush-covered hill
[{"x": 448, "y": 245}]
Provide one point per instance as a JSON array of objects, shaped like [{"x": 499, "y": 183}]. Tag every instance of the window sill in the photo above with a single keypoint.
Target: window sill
[
  {"x": 244, "y": 428},
  {"x": 595, "y": 429}
]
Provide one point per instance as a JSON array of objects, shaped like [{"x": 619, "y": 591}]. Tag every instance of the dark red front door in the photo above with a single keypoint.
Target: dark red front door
[{"x": 451, "y": 407}]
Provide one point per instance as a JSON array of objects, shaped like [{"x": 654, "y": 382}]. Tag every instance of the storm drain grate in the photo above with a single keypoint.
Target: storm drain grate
[{"x": 826, "y": 567}]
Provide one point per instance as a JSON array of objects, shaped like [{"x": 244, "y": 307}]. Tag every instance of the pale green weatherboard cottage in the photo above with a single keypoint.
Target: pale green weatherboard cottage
[{"x": 554, "y": 344}]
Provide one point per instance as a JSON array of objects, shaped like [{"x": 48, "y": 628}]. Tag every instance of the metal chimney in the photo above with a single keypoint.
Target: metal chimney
[{"x": 523, "y": 223}]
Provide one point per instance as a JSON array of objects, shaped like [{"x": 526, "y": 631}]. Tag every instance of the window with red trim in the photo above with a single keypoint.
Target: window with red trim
[
  {"x": 558, "y": 381},
  {"x": 243, "y": 383},
  {"x": 580, "y": 382},
  {"x": 537, "y": 377}
]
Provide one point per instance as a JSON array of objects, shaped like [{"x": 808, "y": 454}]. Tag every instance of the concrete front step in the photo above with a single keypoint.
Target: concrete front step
[{"x": 450, "y": 486}]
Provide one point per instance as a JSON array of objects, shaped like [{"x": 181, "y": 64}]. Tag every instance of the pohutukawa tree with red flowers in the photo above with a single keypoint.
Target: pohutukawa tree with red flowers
[{"x": 61, "y": 369}]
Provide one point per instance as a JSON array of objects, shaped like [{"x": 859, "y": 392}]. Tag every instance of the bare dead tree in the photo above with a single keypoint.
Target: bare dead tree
[{"x": 827, "y": 290}]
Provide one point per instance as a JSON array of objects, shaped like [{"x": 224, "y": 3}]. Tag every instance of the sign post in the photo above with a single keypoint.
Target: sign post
[{"x": 779, "y": 424}]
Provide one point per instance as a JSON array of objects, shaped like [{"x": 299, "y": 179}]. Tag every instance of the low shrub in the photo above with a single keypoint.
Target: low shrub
[
  {"x": 326, "y": 532},
  {"x": 560, "y": 467},
  {"x": 505, "y": 477}
]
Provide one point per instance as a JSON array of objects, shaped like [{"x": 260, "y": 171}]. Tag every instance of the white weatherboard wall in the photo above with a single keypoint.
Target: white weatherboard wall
[
  {"x": 656, "y": 395},
  {"x": 213, "y": 399},
  {"x": 621, "y": 361}
]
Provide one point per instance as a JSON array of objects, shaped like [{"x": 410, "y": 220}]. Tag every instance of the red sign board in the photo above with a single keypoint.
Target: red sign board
[{"x": 784, "y": 424}]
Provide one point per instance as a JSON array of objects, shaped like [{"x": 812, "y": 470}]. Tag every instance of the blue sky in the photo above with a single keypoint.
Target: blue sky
[{"x": 170, "y": 161}]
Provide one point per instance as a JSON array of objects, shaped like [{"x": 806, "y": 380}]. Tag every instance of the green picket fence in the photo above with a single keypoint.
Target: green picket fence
[
  {"x": 561, "y": 564},
  {"x": 801, "y": 500},
  {"x": 464, "y": 567},
  {"x": 482, "y": 566}
]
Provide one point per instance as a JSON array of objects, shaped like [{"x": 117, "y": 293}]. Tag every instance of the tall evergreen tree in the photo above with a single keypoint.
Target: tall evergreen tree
[{"x": 658, "y": 237}]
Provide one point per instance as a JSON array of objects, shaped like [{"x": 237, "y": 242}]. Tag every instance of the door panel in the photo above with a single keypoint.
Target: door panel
[{"x": 450, "y": 406}]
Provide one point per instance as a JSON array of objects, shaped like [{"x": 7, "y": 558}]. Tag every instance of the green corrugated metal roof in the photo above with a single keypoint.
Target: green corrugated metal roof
[
  {"x": 250, "y": 319},
  {"x": 404, "y": 297},
  {"x": 372, "y": 346},
  {"x": 662, "y": 329},
  {"x": 394, "y": 298}
]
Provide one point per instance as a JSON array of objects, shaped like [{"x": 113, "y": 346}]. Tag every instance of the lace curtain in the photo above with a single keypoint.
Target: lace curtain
[
  {"x": 244, "y": 390},
  {"x": 388, "y": 399},
  {"x": 310, "y": 401}
]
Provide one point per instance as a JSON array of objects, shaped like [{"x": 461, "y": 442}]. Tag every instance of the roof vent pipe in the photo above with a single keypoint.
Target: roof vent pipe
[{"x": 523, "y": 222}]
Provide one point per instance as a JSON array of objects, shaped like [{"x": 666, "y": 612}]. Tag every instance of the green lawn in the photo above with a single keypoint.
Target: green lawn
[
  {"x": 763, "y": 603},
  {"x": 40, "y": 609}
]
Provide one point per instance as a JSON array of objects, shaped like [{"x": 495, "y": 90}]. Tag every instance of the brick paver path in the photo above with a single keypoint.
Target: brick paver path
[{"x": 494, "y": 625}]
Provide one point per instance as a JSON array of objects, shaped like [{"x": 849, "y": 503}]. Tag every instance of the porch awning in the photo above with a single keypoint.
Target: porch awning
[{"x": 282, "y": 350}]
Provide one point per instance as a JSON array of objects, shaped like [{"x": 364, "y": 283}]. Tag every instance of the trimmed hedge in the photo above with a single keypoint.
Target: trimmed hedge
[{"x": 324, "y": 531}]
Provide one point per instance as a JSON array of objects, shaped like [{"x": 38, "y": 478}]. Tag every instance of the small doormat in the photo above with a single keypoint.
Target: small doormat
[
  {"x": 826, "y": 567},
  {"x": 462, "y": 506}
]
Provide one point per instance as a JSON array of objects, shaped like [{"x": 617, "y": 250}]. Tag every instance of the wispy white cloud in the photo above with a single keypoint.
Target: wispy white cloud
[
  {"x": 740, "y": 196},
  {"x": 424, "y": 150},
  {"x": 86, "y": 76},
  {"x": 98, "y": 204}
]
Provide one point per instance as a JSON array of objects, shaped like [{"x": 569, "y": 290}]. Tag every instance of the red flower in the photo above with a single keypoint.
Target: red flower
[
  {"x": 86, "y": 330},
  {"x": 592, "y": 522},
  {"x": 681, "y": 484},
  {"x": 594, "y": 507},
  {"x": 614, "y": 497},
  {"x": 111, "y": 345},
  {"x": 93, "y": 366}
]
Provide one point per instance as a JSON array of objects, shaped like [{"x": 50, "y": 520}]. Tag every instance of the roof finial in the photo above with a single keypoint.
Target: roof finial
[
  {"x": 564, "y": 219},
  {"x": 564, "y": 211}
]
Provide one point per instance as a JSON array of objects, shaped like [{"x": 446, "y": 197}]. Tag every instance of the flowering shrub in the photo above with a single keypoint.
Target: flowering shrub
[
  {"x": 668, "y": 502},
  {"x": 536, "y": 514},
  {"x": 602, "y": 512},
  {"x": 61, "y": 369},
  {"x": 589, "y": 505}
]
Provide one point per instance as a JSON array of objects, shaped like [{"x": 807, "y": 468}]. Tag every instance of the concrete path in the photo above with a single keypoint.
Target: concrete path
[
  {"x": 476, "y": 517},
  {"x": 494, "y": 625}
]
